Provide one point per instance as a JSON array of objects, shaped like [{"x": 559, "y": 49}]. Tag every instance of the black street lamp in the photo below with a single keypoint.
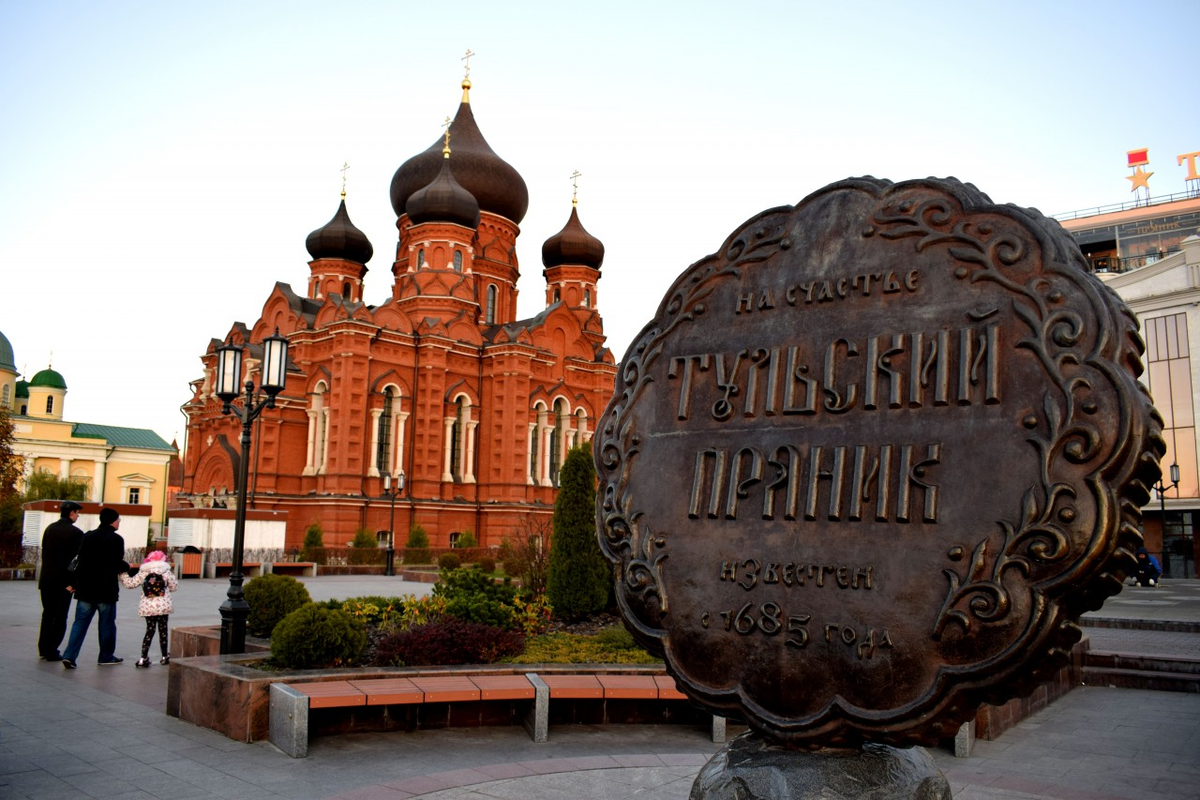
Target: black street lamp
[
  {"x": 229, "y": 372},
  {"x": 1162, "y": 502},
  {"x": 393, "y": 492}
]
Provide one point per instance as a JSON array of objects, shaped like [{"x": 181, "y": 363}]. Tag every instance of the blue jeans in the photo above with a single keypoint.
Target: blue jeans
[{"x": 107, "y": 629}]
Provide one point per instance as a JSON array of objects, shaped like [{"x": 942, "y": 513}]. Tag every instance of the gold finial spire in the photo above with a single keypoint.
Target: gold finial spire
[
  {"x": 446, "y": 149},
  {"x": 345, "y": 166},
  {"x": 575, "y": 176},
  {"x": 466, "y": 83}
]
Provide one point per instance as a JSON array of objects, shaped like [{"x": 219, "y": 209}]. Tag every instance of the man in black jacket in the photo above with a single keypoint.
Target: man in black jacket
[
  {"x": 60, "y": 543},
  {"x": 94, "y": 582}
]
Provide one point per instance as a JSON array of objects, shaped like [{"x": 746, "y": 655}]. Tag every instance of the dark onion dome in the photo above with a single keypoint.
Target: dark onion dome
[
  {"x": 49, "y": 379},
  {"x": 8, "y": 360},
  {"x": 22, "y": 389},
  {"x": 444, "y": 200},
  {"x": 498, "y": 188},
  {"x": 338, "y": 238},
  {"x": 573, "y": 246}
]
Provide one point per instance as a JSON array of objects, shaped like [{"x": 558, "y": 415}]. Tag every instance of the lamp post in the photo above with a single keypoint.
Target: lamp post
[
  {"x": 393, "y": 492},
  {"x": 229, "y": 372},
  {"x": 1162, "y": 503}
]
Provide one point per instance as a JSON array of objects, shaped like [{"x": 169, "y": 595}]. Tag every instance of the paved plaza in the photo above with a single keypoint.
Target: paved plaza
[{"x": 101, "y": 732}]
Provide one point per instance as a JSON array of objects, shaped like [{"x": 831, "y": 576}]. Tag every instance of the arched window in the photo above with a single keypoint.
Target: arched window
[
  {"x": 558, "y": 439},
  {"x": 5, "y": 395},
  {"x": 557, "y": 296},
  {"x": 587, "y": 298},
  {"x": 490, "y": 314},
  {"x": 458, "y": 438},
  {"x": 421, "y": 258},
  {"x": 458, "y": 260},
  {"x": 50, "y": 404},
  {"x": 383, "y": 454},
  {"x": 346, "y": 291}
]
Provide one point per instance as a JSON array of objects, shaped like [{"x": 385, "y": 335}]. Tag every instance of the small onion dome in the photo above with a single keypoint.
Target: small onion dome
[
  {"x": 496, "y": 186},
  {"x": 49, "y": 379},
  {"x": 8, "y": 360},
  {"x": 444, "y": 200},
  {"x": 338, "y": 238},
  {"x": 574, "y": 246},
  {"x": 23, "y": 389}
]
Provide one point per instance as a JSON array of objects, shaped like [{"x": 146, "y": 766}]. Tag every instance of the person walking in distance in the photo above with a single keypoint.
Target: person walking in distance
[
  {"x": 94, "y": 582},
  {"x": 60, "y": 543},
  {"x": 157, "y": 582}
]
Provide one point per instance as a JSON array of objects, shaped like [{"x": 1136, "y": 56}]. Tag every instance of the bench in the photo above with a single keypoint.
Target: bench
[
  {"x": 290, "y": 704},
  {"x": 306, "y": 568},
  {"x": 250, "y": 569}
]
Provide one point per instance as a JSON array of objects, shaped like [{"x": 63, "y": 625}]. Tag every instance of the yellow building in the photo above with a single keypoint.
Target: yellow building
[{"x": 118, "y": 465}]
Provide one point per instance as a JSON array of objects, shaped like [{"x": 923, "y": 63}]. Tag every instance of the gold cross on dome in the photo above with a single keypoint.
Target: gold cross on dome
[
  {"x": 345, "y": 166},
  {"x": 467, "y": 59},
  {"x": 446, "y": 127},
  {"x": 575, "y": 176}
]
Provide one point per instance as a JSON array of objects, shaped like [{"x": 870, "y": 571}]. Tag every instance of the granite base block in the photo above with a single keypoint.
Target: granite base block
[{"x": 752, "y": 768}]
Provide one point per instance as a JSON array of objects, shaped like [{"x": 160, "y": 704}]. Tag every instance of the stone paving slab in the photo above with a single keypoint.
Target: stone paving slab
[{"x": 102, "y": 732}]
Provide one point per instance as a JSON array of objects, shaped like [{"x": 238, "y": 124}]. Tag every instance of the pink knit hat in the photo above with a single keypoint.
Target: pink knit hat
[{"x": 156, "y": 555}]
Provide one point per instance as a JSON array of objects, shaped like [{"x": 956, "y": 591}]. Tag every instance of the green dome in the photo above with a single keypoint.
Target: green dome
[
  {"x": 49, "y": 379},
  {"x": 7, "y": 359},
  {"x": 23, "y": 389}
]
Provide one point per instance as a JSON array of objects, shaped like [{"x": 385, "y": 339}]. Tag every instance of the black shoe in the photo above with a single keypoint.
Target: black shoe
[
  {"x": 68, "y": 663},
  {"x": 114, "y": 662},
  {"x": 54, "y": 657}
]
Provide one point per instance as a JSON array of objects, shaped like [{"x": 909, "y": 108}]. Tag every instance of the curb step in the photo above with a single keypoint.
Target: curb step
[
  {"x": 1151, "y": 664},
  {"x": 1141, "y": 679}
]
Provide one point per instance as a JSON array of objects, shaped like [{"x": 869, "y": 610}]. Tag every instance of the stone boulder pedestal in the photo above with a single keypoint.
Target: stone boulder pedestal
[{"x": 752, "y": 768}]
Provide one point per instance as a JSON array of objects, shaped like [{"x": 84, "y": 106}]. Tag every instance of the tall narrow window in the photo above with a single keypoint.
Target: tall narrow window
[
  {"x": 383, "y": 455},
  {"x": 458, "y": 260},
  {"x": 346, "y": 290},
  {"x": 587, "y": 298},
  {"x": 558, "y": 439},
  {"x": 5, "y": 396},
  {"x": 490, "y": 315},
  {"x": 421, "y": 258},
  {"x": 50, "y": 404},
  {"x": 458, "y": 433}
]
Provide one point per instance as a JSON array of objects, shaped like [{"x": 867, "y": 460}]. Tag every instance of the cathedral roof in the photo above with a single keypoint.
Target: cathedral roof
[
  {"x": 444, "y": 200},
  {"x": 573, "y": 245},
  {"x": 23, "y": 389},
  {"x": 338, "y": 238},
  {"x": 493, "y": 182},
  {"x": 7, "y": 358},
  {"x": 49, "y": 379}
]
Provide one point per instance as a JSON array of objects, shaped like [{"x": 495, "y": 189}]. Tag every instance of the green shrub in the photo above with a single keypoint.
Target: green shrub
[
  {"x": 486, "y": 564},
  {"x": 314, "y": 539},
  {"x": 472, "y": 596},
  {"x": 466, "y": 539},
  {"x": 416, "y": 550},
  {"x": 314, "y": 636},
  {"x": 447, "y": 641},
  {"x": 271, "y": 598},
  {"x": 580, "y": 580},
  {"x": 364, "y": 538},
  {"x": 448, "y": 561}
]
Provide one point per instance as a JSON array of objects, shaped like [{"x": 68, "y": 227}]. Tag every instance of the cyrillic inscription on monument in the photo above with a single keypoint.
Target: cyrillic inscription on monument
[{"x": 870, "y": 462}]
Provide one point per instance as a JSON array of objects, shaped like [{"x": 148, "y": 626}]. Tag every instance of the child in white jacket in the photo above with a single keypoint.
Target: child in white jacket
[{"x": 157, "y": 582}]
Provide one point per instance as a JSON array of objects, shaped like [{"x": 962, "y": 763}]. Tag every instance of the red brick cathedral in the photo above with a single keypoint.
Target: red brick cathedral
[{"x": 440, "y": 381}]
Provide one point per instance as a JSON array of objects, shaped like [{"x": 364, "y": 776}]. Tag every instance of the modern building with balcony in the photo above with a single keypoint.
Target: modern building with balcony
[{"x": 1149, "y": 254}]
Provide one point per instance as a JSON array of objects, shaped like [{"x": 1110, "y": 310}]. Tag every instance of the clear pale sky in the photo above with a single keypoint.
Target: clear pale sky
[{"x": 162, "y": 163}]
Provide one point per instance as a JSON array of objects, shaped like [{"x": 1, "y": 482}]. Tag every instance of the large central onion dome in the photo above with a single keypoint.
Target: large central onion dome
[
  {"x": 338, "y": 238},
  {"x": 493, "y": 182}
]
